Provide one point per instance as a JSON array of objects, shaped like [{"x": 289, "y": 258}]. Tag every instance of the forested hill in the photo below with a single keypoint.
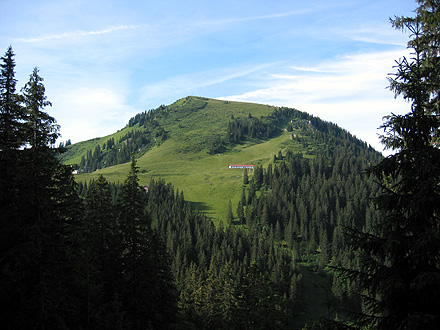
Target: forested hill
[
  {"x": 280, "y": 225},
  {"x": 192, "y": 142},
  {"x": 176, "y": 238},
  {"x": 88, "y": 252},
  {"x": 197, "y": 124},
  {"x": 264, "y": 261}
]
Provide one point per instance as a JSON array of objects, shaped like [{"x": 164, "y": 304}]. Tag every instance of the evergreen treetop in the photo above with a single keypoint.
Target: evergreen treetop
[{"x": 399, "y": 274}]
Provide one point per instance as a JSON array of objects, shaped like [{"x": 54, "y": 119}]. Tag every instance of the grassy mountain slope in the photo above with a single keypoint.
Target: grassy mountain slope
[
  {"x": 183, "y": 160},
  {"x": 306, "y": 203},
  {"x": 77, "y": 150}
]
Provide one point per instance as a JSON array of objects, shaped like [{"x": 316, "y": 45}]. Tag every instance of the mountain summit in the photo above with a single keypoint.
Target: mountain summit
[{"x": 192, "y": 143}]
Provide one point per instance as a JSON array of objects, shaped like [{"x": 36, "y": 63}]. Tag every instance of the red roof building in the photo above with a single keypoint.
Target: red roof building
[{"x": 242, "y": 166}]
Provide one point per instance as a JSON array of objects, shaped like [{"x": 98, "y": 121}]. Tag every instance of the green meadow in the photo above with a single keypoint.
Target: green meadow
[
  {"x": 182, "y": 160},
  {"x": 206, "y": 180}
]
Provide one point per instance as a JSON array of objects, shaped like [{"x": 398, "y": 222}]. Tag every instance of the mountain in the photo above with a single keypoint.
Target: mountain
[
  {"x": 192, "y": 142},
  {"x": 280, "y": 223}
]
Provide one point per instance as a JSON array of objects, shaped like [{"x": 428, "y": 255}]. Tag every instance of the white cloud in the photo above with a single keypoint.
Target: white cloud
[
  {"x": 86, "y": 113},
  {"x": 73, "y": 34},
  {"x": 350, "y": 91},
  {"x": 181, "y": 51},
  {"x": 380, "y": 34}
]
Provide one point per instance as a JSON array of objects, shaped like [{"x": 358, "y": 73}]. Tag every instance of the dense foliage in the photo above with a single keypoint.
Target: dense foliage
[
  {"x": 103, "y": 255},
  {"x": 399, "y": 274},
  {"x": 246, "y": 275},
  {"x": 151, "y": 128},
  {"x": 145, "y": 134},
  {"x": 66, "y": 263},
  {"x": 38, "y": 210},
  {"x": 240, "y": 129},
  {"x": 307, "y": 203}
]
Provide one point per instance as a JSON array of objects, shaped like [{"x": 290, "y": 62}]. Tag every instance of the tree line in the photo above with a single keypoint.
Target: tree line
[
  {"x": 67, "y": 262},
  {"x": 114, "y": 256},
  {"x": 109, "y": 256},
  {"x": 146, "y": 134}
]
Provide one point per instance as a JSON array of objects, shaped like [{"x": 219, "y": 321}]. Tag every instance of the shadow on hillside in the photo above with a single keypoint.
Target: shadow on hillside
[{"x": 199, "y": 206}]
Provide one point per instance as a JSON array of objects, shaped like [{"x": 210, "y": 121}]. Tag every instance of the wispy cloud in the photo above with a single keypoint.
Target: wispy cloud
[
  {"x": 378, "y": 35},
  {"x": 306, "y": 69},
  {"x": 335, "y": 91},
  {"x": 74, "y": 34},
  {"x": 249, "y": 18},
  {"x": 186, "y": 84},
  {"x": 177, "y": 29},
  {"x": 91, "y": 112},
  {"x": 94, "y": 65},
  {"x": 334, "y": 79}
]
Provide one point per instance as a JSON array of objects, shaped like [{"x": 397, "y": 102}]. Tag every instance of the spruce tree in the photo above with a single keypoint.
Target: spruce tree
[
  {"x": 39, "y": 219},
  {"x": 245, "y": 177},
  {"x": 9, "y": 144},
  {"x": 149, "y": 297},
  {"x": 12, "y": 114},
  {"x": 99, "y": 268},
  {"x": 11, "y": 139},
  {"x": 240, "y": 212},
  {"x": 134, "y": 232},
  {"x": 230, "y": 216},
  {"x": 43, "y": 130},
  {"x": 399, "y": 275}
]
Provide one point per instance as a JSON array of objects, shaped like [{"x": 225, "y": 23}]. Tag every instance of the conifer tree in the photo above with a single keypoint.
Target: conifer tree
[
  {"x": 99, "y": 273},
  {"x": 240, "y": 213},
  {"x": 230, "y": 216},
  {"x": 400, "y": 263},
  {"x": 245, "y": 176},
  {"x": 149, "y": 296},
  {"x": 37, "y": 267},
  {"x": 11, "y": 139},
  {"x": 43, "y": 130},
  {"x": 134, "y": 231},
  {"x": 12, "y": 114}
]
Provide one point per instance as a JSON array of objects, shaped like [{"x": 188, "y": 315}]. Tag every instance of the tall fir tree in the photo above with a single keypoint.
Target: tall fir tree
[
  {"x": 36, "y": 267},
  {"x": 134, "y": 231},
  {"x": 399, "y": 273},
  {"x": 230, "y": 215},
  {"x": 43, "y": 128},
  {"x": 245, "y": 176},
  {"x": 99, "y": 267},
  {"x": 11, "y": 139},
  {"x": 12, "y": 114},
  {"x": 149, "y": 298}
]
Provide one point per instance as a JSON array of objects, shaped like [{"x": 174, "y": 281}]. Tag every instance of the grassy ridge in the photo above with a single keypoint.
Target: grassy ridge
[
  {"x": 77, "y": 150},
  {"x": 182, "y": 159},
  {"x": 206, "y": 180}
]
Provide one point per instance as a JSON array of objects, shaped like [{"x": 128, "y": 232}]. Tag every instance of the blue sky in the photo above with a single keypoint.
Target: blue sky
[{"x": 105, "y": 61}]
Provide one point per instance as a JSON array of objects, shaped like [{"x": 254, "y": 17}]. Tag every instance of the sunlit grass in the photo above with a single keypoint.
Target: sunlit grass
[{"x": 206, "y": 181}]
